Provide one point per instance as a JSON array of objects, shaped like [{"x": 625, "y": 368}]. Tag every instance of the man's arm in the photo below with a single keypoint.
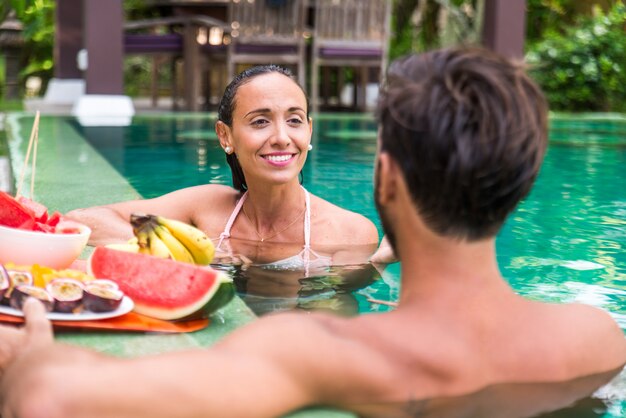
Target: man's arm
[
  {"x": 275, "y": 365},
  {"x": 55, "y": 380}
]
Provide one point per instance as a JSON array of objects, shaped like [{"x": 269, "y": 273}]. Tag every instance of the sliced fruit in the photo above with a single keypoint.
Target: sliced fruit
[
  {"x": 65, "y": 226},
  {"x": 39, "y": 211},
  {"x": 54, "y": 219},
  {"x": 13, "y": 214},
  {"x": 104, "y": 283},
  {"x": 100, "y": 299},
  {"x": 22, "y": 292},
  {"x": 67, "y": 294},
  {"x": 5, "y": 281},
  {"x": 17, "y": 278},
  {"x": 162, "y": 288}
]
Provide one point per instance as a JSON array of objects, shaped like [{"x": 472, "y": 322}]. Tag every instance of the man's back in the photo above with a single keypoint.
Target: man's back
[
  {"x": 490, "y": 340},
  {"x": 413, "y": 353}
]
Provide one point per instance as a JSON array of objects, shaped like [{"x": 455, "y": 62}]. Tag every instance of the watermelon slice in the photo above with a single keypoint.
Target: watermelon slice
[
  {"x": 163, "y": 288},
  {"x": 39, "y": 211},
  {"x": 13, "y": 214}
]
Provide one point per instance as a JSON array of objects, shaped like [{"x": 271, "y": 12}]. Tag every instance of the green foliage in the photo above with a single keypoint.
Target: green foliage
[
  {"x": 584, "y": 68},
  {"x": 37, "y": 17},
  {"x": 11, "y": 105},
  {"x": 549, "y": 16},
  {"x": 417, "y": 25}
]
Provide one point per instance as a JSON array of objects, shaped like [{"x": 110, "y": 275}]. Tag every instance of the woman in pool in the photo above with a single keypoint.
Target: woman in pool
[{"x": 265, "y": 130}]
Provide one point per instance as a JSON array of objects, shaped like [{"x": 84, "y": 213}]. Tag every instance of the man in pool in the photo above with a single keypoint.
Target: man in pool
[{"x": 462, "y": 136}]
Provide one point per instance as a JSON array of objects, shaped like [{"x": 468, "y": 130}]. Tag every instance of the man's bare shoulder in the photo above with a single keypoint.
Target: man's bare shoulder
[
  {"x": 597, "y": 339},
  {"x": 321, "y": 350},
  {"x": 568, "y": 341},
  {"x": 341, "y": 226}
]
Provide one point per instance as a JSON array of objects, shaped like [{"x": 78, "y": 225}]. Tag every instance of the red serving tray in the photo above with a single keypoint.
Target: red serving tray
[{"x": 129, "y": 322}]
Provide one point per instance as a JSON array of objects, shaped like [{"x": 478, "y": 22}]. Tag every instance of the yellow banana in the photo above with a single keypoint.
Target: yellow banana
[
  {"x": 176, "y": 248},
  {"x": 197, "y": 243},
  {"x": 157, "y": 246},
  {"x": 127, "y": 246},
  {"x": 143, "y": 240}
]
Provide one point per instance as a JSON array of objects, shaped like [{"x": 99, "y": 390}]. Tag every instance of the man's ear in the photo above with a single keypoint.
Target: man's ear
[
  {"x": 387, "y": 178},
  {"x": 223, "y": 134}
]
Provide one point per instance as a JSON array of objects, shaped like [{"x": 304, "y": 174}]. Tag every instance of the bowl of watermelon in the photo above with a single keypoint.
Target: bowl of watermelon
[{"x": 30, "y": 235}]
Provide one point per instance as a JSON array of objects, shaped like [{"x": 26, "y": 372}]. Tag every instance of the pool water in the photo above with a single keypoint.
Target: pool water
[{"x": 565, "y": 242}]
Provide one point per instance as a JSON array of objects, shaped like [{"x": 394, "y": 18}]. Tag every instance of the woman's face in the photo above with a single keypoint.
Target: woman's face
[{"x": 270, "y": 132}]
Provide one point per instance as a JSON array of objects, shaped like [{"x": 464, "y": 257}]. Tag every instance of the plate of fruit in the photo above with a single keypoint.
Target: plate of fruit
[{"x": 75, "y": 297}]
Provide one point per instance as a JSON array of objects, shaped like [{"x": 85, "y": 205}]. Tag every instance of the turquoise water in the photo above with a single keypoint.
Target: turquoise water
[{"x": 564, "y": 243}]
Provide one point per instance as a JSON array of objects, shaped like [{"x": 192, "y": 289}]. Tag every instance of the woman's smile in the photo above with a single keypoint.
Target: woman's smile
[{"x": 279, "y": 159}]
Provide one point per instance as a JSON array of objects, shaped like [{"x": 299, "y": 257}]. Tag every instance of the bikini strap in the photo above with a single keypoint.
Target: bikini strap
[
  {"x": 231, "y": 220},
  {"x": 307, "y": 232},
  {"x": 307, "y": 219}
]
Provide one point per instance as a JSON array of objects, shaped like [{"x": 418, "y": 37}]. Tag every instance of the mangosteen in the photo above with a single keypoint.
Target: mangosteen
[
  {"x": 67, "y": 294},
  {"x": 24, "y": 291},
  {"x": 5, "y": 281},
  {"x": 100, "y": 299},
  {"x": 16, "y": 278}
]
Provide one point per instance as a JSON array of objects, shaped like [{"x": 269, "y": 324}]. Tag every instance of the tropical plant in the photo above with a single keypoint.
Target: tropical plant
[
  {"x": 419, "y": 25},
  {"x": 37, "y": 16},
  {"x": 584, "y": 67}
]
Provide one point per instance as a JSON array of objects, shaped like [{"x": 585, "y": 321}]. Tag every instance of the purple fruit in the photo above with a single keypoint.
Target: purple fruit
[
  {"x": 16, "y": 278},
  {"x": 5, "y": 281},
  {"x": 67, "y": 294},
  {"x": 104, "y": 283},
  {"x": 100, "y": 299},
  {"x": 22, "y": 292}
]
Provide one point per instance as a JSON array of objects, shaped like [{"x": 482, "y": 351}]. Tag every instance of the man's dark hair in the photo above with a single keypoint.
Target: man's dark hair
[
  {"x": 227, "y": 107},
  {"x": 468, "y": 129}
]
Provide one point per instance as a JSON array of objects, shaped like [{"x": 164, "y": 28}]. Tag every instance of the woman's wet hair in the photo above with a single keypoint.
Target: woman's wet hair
[
  {"x": 227, "y": 108},
  {"x": 468, "y": 128}
]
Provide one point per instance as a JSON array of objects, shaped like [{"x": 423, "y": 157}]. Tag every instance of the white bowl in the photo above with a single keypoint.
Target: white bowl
[{"x": 57, "y": 251}]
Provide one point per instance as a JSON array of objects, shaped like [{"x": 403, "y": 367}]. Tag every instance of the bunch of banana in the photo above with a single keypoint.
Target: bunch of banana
[{"x": 168, "y": 238}]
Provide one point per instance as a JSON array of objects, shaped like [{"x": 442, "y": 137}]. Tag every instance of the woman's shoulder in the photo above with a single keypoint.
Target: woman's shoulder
[
  {"x": 210, "y": 203},
  {"x": 342, "y": 225},
  {"x": 215, "y": 194}
]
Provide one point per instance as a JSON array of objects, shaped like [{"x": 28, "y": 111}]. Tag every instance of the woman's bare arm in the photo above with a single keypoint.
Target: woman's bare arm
[{"x": 110, "y": 223}]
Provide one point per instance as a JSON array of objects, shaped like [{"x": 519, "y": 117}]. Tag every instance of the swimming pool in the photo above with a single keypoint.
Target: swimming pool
[{"x": 565, "y": 242}]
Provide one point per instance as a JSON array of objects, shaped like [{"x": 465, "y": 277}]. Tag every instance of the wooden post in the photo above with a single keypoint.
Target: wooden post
[
  {"x": 504, "y": 27},
  {"x": 191, "y": 59},
  {"x": 104, "y": 43},
  {"x": 68, "y": 38}
]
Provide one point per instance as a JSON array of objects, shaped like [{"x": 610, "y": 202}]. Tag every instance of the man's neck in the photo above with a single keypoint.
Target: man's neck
[{"x": 436, "y": 270}]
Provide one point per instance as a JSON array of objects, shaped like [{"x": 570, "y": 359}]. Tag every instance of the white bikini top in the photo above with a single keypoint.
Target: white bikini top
[{"x": 300, "y": 261}]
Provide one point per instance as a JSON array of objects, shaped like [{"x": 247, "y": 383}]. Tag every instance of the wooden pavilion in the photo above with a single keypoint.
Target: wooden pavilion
[{"x": 98, "y": 27}]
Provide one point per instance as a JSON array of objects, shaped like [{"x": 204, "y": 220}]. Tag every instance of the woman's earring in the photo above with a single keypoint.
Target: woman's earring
[
  {"x": 310, "y": 147},
  {"x": 228, "y": 150}
]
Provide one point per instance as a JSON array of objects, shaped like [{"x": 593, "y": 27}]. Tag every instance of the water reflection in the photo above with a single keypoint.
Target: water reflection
[
  {"x": 265, "y": 285},
  {"x": 267, "y": 290}
]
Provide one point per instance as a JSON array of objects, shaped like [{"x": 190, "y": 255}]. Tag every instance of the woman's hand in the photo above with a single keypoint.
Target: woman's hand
[{"x": 384, "y": 254}]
